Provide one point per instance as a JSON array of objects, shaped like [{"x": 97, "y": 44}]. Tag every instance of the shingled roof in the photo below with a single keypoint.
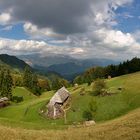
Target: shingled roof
[
  {"x": 57, "y": 102},
  {"x": 60, "y": 96}
]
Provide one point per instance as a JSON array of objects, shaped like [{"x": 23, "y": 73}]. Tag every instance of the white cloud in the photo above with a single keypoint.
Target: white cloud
[
  {"x": 101, "y": 15},
  {"x": 136, "y": 35},
  {"x": 118, "y": 3},
  {"x": 127, "y": 15},
  {"x": 4, "y": 18},
  {"x": 104, "y": 11},
  {"x": 37, "y": 33},
  {"x": 99, "y": 40},
  {"x": 104, "y": 43},
  {"x": 7, "y": 28},
  {"x": 30, "y": 46},
  {"x": 115, "y": 39},
  {"x": 78, "y": 51},
  {"x": 18, "y": 46},
  {"x": 110, "y": 54}
]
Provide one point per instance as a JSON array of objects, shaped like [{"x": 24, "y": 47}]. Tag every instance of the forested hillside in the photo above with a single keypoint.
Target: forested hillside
[
  {"x": 126, "y": 67},
  {"x": 13, "y": 61},
  {"x": 21, "y": 74}
]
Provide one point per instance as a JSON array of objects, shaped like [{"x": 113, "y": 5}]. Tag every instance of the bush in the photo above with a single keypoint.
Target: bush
[
  {"x": 17, "y": 99},
  {"x": 93, "y": 105},
  {"x": 87, "y": 115},
  {"x": 98, "y": 87},
  {"x": 36, "y": 91}
]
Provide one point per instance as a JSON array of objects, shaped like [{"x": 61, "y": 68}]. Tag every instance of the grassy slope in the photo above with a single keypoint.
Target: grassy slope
[
  {"x": 109, "y": 107},
  {"x": 26, "y": 115},
  {"x": 123, "y": 128}
]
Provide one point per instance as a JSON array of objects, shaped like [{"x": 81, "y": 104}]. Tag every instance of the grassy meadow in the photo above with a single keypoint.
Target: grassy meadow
[
  {"x": 22, "y": 116},
  {"x": 126, "y": 127}
]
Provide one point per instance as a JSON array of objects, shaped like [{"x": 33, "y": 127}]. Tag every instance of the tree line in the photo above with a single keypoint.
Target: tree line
[
  {"x": 28, "y": 79},
  {"x": 36, "y": 85},
  {"x": 6, "y": 83},
  {"x": 129, "y": 66}
]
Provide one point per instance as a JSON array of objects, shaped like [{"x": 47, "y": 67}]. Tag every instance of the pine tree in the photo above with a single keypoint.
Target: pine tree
[
  {"x": 30, "y": 81},
  {"x": 6, "y": 85},
  {"x": 34, "y": 80},
  {"x": 8, "y": 77},
  {"x": 27, "y": 77},
  {"x": 56, "y": 83},
  {"x": 1, "y": 79},
  {"x": 35, "y": 86}
]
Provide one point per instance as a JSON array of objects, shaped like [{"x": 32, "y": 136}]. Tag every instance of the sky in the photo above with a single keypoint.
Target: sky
[{"x": 78, "y": 28}]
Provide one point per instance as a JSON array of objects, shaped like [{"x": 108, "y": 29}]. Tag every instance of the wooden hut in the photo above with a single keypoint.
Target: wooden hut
[{"x": 57, "y": 103}]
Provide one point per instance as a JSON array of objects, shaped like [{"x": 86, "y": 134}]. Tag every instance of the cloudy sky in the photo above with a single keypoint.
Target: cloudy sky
[{"x": 79, "y": 28}]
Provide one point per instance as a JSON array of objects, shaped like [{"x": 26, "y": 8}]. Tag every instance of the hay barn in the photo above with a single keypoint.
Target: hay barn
[{"x": 57, "y": 102}]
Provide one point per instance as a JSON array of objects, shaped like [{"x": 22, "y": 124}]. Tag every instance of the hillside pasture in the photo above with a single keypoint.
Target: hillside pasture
[
  {"x": 126, "y": 127},
  {"x": 26, "y": 114}
]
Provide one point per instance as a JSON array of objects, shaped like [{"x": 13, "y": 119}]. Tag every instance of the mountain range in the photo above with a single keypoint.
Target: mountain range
[{"x": 64, "y": 65}]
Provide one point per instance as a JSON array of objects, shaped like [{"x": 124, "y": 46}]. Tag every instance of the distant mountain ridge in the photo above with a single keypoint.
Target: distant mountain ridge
[
  {"x": 17, "y": 66},
  {"x": 45, "y": 61},
  {"x": 72, "y": 69},
  {"x": 53, "y": 59},
  {"x": 63, "y": 65},
  {"x": 12, "y": 61}
]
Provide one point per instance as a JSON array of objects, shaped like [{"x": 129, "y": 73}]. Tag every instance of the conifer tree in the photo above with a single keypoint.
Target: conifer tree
[
  {"x": 27, "y": 77},
  {"x": 1, "y": 78},
  {"x": 9, "y": 84},
  {"x": 35, "y": 86},
  {"x": 34, "y": 80},
  {"x": 30, "y": 81},
  {"x": 6, "y": 84}
]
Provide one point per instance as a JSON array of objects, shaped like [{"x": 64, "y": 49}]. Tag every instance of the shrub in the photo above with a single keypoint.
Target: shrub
[
  {"x": 87, "y": 115},
  {"x": 17, "y": 99},
  {"x": 93, "y": 105},
  {"x": 36, "y": 91},
  {"x": 98, "y": 87}
]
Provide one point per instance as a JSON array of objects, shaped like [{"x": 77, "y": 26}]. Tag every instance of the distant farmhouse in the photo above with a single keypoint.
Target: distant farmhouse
[
  {"x": 4, "y": 102},
  {"x": 57, "y": 103}
]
